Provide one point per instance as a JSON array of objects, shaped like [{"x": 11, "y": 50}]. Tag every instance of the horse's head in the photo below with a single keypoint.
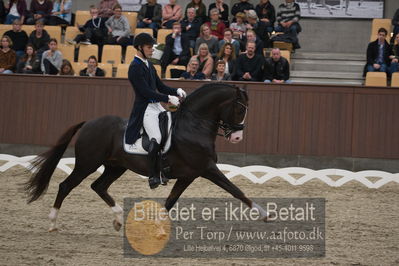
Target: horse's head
[{"x": 233, "y": 116}]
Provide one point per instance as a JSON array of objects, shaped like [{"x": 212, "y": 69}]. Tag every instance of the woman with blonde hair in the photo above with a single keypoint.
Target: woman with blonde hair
[
  {"x": 205, "y": 37},
  {"x": 205, "y": 60},
  {"x": 8, "y": 56}
]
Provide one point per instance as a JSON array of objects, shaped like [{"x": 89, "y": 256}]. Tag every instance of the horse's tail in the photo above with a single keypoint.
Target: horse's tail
[{"x": 45, "y": 164}]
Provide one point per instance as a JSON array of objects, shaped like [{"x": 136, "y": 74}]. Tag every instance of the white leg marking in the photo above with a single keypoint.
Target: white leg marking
[
  {"x": 263, "y": 213},
  {"x": 53, "y": 219},
  {"x": 118, "y": 212}
]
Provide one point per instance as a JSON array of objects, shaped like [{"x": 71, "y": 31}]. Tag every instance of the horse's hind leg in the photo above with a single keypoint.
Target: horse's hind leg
[{"x": 101, "y": 185}]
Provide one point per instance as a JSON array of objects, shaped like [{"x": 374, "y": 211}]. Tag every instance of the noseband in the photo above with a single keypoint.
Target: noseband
[{"x": 229, "y": 128}]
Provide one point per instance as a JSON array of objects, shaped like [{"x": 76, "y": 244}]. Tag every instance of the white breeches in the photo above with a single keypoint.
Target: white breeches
[{"x": 151, "y": 121}]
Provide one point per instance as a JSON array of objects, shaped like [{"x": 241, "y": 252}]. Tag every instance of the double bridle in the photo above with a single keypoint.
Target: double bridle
[{"x": 229, "y": 128}]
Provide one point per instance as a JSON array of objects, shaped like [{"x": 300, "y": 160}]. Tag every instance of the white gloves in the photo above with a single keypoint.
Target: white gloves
[
  {"x": 174, "y": 100},
  {"x": 181, "y": 93}
]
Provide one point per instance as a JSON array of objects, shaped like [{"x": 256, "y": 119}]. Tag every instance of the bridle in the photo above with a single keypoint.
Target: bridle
[{"x": 229, "y": 128}]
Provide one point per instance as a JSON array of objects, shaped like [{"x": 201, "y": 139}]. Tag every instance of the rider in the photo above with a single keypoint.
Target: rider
[{"x": 149, "y": 91}]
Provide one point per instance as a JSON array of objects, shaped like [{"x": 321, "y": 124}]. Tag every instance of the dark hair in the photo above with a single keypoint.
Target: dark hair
[
  {"x": 221, "y": 51},
  {"x": 92, "y": 57},
  {"x": 383, "y": 30},
  {"x": 228, "y": 29},
  {"x": 66, "y": 62},
  {"x": 53, "y": 40},
  {"x": 176, "y": 23},
  {"x": 39, "y": 22},
  {"x": 25, "y": 57},
  {"x": 116, "y": 6},
  {"x": 220, "y": 62}
]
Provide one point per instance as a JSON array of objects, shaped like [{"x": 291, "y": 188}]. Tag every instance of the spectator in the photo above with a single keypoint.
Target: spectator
[
  {"x": 215, "y": 24},
  {"x": 3, "y": 12},
  {"x": 192, "y": 70},
  {"x": 17, "y": 9},
  {"x": 395, "y": 56},
  {"x": 266, "y": 13},
  {"x": 228, "y": 38},
  {"x": 223, "y": 11},
  {"x": 248, "y": 64},
  {"x": 105, "y": 8},
  {"x": 239, "y": 27},
  {"x": 30, "y": 62},
  {"x": 18, "y": 37},
  {"x": 220, "y": 73},
  {"x": 177, "y": 48},
  {"x": 227, "y": 55},
  {"x": 288, "y": 15},
  {"x": 150, "y": 16},
  {"x": 378, "y": 53},
  {"x": 277, "y": 68},
  {"x": 191, "y": 26},
  {"x": 395, "y": 24},
  {"x": 205, "y": 60},
  {"x": 92, "y": 69},
  {"x": 171, "y": 13},
  {"x": 94, "y": 30},
  {"x": 242, "y": 6},
  {"x": 62, "y": 13},
  {"x": 39, "y": 38},
  {"x": 200, "y": 9},
  {"x": 51, "y": 59},
  {"x": 206, "y": 37},
  {"x": 259, "y": 27},
  {"x": 66, "y": 68},
  {"x": 118, "y": 28},
  {"x": 251, "y": 37},
  {"x": 40, "y": 10},
  {"x": 7, "y": 56}
]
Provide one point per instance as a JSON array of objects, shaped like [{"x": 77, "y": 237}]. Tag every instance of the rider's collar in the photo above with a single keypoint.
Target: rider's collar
[{"x": 144, "y": 60}]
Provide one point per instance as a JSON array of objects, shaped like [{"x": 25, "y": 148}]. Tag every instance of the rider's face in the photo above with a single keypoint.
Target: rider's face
[{"x": 148, "y": 50}]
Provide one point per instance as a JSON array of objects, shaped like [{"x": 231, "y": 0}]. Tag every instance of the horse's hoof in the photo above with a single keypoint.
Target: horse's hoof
[
  {"x": 117, "y": 225},
  {"x": 53, "y": 229}
]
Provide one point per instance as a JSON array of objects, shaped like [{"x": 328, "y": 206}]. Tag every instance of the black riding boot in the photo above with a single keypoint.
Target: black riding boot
[{"x": 153, "y": 159}]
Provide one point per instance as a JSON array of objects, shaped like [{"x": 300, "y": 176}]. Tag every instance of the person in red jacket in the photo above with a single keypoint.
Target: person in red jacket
[{"x": 216, "y": 25}]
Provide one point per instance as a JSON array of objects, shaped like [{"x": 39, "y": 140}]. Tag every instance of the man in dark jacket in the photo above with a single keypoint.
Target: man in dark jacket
[
  {"x": 242, "y": 6},
  {"x": 149, "y": 92},
  {"x": 395, "y": 24},
  {"x": 277, "y": 68},
  {"x": 378, "y": 53},
  {"x": 150, "y": 16},
  {"x": 19, "y": 37},
  {"x": 177, "y": 48},
  {"x": 249, "y": 65},
  {"x": 191, "y": 26}
]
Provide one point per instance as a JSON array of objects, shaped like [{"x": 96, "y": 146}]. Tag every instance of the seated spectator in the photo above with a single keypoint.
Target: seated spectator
[
  {"x": 248, "y": 65},
  {"x": 395, "y": 56},
  {"x": 288, "y": 15},
  {"x": 171, "y": 13},
  {"x": 51, "y": 59},
  {"x": 258, "y": 27},
  {"x": 40, "y": 10},
  {"x": 223, "y": 11},
  {"x": 277, "y": 68},
  {"x": 94, "y": 30},
  {"x": 243, "y": 6},
  {"x": 228, "y": 38},
  {"x": 8, "y": 57},
  {"x": 205, "y": 60},
  {"x": 220, "y": 73},
  {"x": 239, "y": 27},
  {"x": 191, "y": 26},
  {"x": 105, "y": 8},
  {"x": 62, "y": 13},
  {"x": 206, "y": 37},
  {"x": 150, "y": 16},
  {"x": 251, "y": 37},
  {"x": 227, "y": 55},
  {"x": 18, "y": 37},
  {"x": 17, "y": 9},
  {"x": 92, "y": 69},
  {"x": 177, "y": 48},
  {"x": 192, "y": 70},
  {"x": 395, "y": 24},
  {"x": 266, "y": 13},
  {"x": 215, "y": 24},
  {"x": 66, "y": 68},
  {"x": 118, "y": 28},
  {"x": 30, "y": 62},
  {"x": 378, "y": 53},
  {"x": 200, "y": 9},
  {"x": 39, "y": 38}
]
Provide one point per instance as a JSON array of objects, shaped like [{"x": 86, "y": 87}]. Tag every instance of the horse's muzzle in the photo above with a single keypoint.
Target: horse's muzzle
[{"x": 236, "y": 137}]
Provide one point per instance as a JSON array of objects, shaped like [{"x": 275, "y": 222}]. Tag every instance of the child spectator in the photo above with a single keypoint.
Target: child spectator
[
  {"x": 239, "y": 27},
  {"x": 30, "y": 62},
  {"x": 51, "y": 59},
  {"x": 92, "y": 69},
  {"x": 118, "y": 28},
  {"x": 220, "y": 73},
  {"x": 7, "y": 56}
]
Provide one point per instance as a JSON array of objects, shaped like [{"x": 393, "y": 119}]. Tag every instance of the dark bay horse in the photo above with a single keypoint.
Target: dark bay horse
[{"x": 192, "y": 154}]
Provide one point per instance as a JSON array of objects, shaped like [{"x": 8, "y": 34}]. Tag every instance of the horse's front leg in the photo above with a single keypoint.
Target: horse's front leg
[
  {"x": 179, "y": 187},
  {"x": 218, "y": 178}
]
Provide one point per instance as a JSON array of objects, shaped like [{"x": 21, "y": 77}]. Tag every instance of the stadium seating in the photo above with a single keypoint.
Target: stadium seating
[
  {"x": 112, "y": 54},
  {"x": 87, "y": 50},
  {"x": 376, "y": 79},
  {"x": 395, "y": 80},
  {"x": 68, "y": 52},
  {"x": 81, "y": 17},
  {"x": 162, "y": 33},
  {"x": 159, "y": 70},
  {"x": 146, "y": 30},
  {"x": 77, "y": 67},
  {"x": 122, "y": 70},
  {"x": 130, "y": 53},
  {"x": 170, "y": 67},
  {"x": 71, "y": 33},
  {"x": 132, "y": 18},
  {"x": 107, "y": 68},
  {"x": 283, "y": 46},
  {"x": 380, "y": 23},
  {"x": 54, "y": 32},
  {"x": 29, "y": 28}
]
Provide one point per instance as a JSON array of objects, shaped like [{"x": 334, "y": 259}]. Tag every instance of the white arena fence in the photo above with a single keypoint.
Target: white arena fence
[{"x": 258, "y": 174}]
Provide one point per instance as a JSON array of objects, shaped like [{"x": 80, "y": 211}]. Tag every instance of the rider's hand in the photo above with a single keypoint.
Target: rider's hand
[
  {"x": 174, "y": 100},
  {"x": 181, "y": 93}
]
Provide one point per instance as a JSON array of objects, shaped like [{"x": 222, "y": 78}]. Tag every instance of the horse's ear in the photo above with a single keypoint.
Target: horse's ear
[{"x": 242, "y": 92}]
